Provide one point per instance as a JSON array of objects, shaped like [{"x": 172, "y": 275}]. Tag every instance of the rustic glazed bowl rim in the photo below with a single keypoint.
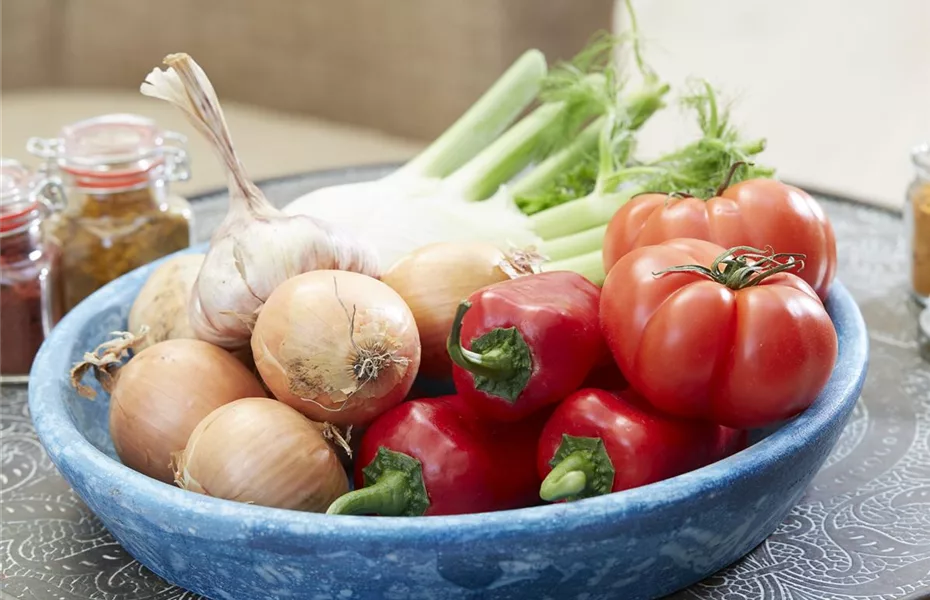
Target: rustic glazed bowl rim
[{"x": 174, "y": 508}]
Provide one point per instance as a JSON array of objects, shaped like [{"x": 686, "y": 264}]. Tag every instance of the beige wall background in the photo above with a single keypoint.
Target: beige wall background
[
  {"x": 407, "y": 67},
  {"x": 305, "y": 84},
  {"x": 841, "y": 88}
]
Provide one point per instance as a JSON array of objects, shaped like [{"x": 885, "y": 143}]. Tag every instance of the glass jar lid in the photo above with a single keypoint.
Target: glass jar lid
[
  {"x": 920, "y": 156},
  {"x": 114, "y": 151},
  {"x": 18, "y": 200}
]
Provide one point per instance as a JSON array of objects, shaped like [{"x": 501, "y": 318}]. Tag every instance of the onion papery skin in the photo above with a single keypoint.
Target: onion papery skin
[
  {"x": 162, "y": 302},
  {"x": 263, "y": 452},
  {"x": 433, "y": 280},
  {"x": 161, "y": 395},
  {"x": 340, "y": 347}
]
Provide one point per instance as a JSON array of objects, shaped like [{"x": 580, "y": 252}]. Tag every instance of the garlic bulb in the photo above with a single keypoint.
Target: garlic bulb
[{"x": 256, "y": 247}]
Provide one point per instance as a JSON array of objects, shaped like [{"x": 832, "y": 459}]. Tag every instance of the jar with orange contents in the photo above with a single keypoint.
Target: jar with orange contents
[
  {"x": 917, "y": 224},
  {"x": 116, "y": 172}
]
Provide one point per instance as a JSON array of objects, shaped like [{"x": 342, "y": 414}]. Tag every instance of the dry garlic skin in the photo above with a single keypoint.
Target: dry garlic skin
[
  {"x": 261, "y": 451},
  {"x": 161, "y": 395},
  {"x": 338, "y": 346}
]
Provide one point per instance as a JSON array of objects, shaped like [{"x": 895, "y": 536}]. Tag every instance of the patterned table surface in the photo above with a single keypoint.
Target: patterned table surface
[{"x": 861, "y": 532}]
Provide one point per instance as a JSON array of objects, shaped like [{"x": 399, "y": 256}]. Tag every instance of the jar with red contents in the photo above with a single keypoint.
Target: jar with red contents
[
  {"x": 30, "y": 294},
  {"x": 120, "y": 214}
]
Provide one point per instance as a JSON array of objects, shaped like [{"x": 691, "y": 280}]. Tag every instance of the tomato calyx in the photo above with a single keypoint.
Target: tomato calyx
[
  {"x": 581, "y": 468},
  {"x": 741, "y": 267},
  {"x": 499, "y": 360},
  {"x": 393, "y": 488}
]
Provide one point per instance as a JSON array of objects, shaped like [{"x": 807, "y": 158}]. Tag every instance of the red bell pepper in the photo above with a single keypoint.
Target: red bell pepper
[
  {"x": 434, "y": 456},
  {"x": 606, "y": 377},
  {"x": 598, "y": 442},
  {"x": 528, "y": 343}
]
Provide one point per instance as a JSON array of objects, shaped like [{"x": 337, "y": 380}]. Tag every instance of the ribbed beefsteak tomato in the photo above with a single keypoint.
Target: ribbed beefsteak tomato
[
  {"x": 756, "y": 212},
  {"x": 727, "y": 336}
]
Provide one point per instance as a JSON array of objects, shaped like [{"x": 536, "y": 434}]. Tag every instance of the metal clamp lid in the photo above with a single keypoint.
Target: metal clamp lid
[
  {"x": 920, "y": 156},
  {"x": 22, "y": 192},
  {"x": 114, "y": 150},
  {"x": 923, "y": 333}
]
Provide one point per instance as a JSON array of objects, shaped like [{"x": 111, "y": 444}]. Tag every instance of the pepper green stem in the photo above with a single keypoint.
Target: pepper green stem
[
  {"x": 394, "y": 487},
  {"x": 581, "y": 468},
  {"x": 569, "y": 478},
  {"x": 500, "y": 360},
  {"x": 493, "y": 364},
  {"x": 386, "y": 497}
]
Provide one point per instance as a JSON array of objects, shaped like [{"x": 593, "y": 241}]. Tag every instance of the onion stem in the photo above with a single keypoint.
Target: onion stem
[{"x": 484, "y": 120}]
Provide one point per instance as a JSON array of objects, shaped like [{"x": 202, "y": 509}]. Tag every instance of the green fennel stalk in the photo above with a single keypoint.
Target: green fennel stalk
[
  {"x": 506, "y": 156},
  {"x": 484, "y": 121}
]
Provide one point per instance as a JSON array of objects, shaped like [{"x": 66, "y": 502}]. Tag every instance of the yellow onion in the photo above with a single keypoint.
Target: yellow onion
[
  {"x": 161, "y": 394},
  {"x": 338, "y": 346},
  {"x": 263, "y": 452},
  {"x": 162, "y": 302},
  {"x": 435, "y": 278}
]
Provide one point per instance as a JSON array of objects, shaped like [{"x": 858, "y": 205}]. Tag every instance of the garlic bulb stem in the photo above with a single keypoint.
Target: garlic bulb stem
[{"x": 256, "y": 247}]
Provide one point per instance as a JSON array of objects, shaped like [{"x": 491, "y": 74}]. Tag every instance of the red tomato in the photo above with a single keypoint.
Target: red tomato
[
  {"x": 695, "y": 348},
  {"x": 757, "y": 213}
]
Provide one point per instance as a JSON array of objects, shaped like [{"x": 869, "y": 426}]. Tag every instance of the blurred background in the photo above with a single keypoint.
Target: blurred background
[{"x": 841, "y": 88}]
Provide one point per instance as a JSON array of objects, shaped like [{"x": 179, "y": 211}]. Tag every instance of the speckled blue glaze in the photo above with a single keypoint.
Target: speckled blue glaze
[{"x": 642, "y": 543}]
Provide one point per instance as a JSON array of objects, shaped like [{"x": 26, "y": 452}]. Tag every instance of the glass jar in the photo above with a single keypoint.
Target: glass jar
[
  {"x": 119, "y": 215},
  {"x": 917, "y": 224},
  {"x": 30, "y": 299}
]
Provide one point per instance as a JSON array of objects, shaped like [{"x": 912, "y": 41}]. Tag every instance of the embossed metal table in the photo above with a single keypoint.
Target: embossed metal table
[{"x": 861, "y": 532}]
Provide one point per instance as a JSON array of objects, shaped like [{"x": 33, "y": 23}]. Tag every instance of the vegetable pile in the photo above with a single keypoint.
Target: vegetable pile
[{"x": 607, "y": 320}]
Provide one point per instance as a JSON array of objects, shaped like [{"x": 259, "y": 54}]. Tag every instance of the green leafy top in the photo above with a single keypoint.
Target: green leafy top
[
  {"x": 576, "y": 182},
  {"x": 596, "y": 153},
  {"x": 697, "y": 168}
]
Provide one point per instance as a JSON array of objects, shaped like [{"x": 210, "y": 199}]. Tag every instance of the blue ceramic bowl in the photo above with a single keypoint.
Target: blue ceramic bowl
[{"x": 641, "y": 543}]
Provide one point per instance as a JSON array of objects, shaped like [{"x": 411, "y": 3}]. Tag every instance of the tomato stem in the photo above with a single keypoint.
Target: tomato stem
[
  {"x": 743, "y": 266},
  {"x": 729, "y": 177}
]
